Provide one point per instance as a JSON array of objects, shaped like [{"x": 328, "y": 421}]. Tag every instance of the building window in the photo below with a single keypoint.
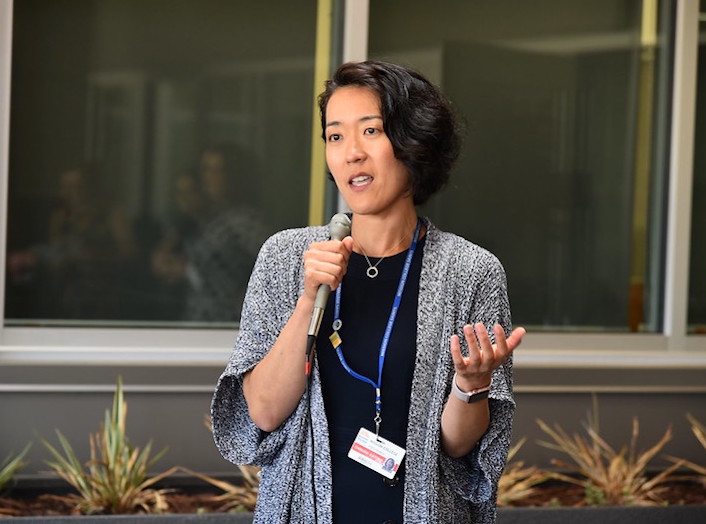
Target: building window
[
  {"x": 563, "y": 169},
  {"x": 145, "y": 140},
  {"x": 126, "y": 115}
]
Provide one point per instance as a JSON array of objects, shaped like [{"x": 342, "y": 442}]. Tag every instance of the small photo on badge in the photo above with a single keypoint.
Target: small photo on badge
[{"x": 389, "y": 464}]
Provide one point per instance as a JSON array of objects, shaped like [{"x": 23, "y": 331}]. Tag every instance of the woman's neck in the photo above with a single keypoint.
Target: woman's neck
[{"x": 376, "y": 237}]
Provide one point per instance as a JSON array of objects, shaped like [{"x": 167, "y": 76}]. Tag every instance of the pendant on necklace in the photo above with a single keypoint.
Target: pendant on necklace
[{"x": 372, "y": 272}]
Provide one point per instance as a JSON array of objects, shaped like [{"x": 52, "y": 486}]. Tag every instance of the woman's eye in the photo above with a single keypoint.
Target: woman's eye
[
  {"x": 370, "y": 131},
  {"x": 334, "y": 137}
]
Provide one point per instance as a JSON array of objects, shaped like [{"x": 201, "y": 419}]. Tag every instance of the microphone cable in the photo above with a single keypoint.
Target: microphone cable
[
  {"x": 339, "y": 228},
  {"x": 311, "y": 343}
]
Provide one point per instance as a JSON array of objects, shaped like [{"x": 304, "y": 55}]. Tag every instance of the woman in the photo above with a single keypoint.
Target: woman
[{"x": 390, "y": 374}]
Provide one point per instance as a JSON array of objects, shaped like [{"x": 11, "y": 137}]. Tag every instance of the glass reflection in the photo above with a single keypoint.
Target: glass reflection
[
  {"x": 146, "y": 141},
  {"x": 562, "y": 168}
]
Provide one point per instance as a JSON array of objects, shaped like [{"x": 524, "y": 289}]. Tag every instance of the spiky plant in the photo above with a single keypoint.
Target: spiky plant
[
  {"x": 8, "y": 468},
  {"x": 11, "y": 465},
  {"x": 609, "y": 476},
  {"x": 235, "y": 498},
  {"x": 518, "y": 481},
  {"x": 699, "y": 431},
  {"x": 115, "y": 480}
]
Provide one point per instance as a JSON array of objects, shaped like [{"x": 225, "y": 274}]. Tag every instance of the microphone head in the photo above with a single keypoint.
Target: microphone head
[{"x": 340, "y": 226}]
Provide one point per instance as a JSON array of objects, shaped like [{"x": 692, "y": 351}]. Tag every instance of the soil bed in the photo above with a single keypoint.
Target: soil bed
[
  {"x": 548, "y": 495},
  {"x": 564, "y": 494}
]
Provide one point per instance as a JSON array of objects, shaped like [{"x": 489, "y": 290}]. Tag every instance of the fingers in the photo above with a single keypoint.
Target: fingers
[
  {"x": 483, "y": 355},
  {"x": 504, "y": 346},
  {"x": 502, "y": 350},
  {"x": 479, "y": 343},
  {"x": 456, "y": 355},
  {"x": 475, "y": 352},
  {"x": 515, "y": 337},
  {"x": 326, "y": 263}
]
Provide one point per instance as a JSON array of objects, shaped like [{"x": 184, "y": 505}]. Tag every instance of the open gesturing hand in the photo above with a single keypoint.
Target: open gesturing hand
[{"x": 476, "y": 370}]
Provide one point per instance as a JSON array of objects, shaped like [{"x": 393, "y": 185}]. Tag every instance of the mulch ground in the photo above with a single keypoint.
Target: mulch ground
[
  {"x": 51, "y": 505},
  {"x": 547, "y": 495},
  {"x": 560, "y": 494}
]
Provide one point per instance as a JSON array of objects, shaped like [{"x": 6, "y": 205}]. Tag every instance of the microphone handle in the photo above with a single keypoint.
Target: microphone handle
[
  {"x": 318, "y": 312},
  {"x": 322, "y": 297},
  {"x": 339, "y": 228}
]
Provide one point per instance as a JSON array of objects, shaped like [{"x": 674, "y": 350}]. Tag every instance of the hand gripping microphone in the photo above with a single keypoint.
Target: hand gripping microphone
[{"x": 339, "y": 228}]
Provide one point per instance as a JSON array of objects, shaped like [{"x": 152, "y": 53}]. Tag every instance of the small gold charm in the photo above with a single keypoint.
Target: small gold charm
[{"x": 335, "y": 339}]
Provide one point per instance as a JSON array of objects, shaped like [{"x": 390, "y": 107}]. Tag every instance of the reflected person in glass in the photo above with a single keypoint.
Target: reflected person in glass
[
  {"x": 213, "y": 259},
  {"x": 413, "y": 358},
  {"x": 90, "y": 249}
]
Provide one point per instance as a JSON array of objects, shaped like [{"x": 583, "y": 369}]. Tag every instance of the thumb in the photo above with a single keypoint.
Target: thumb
[{"x": 348, "y": 243}]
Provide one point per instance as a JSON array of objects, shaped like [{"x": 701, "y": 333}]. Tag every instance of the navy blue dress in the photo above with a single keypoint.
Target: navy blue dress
[{"x": 360, "y": 494}]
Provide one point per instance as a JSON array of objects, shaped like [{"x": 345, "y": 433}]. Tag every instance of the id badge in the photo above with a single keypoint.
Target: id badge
[{"x": 376, "y": 453}]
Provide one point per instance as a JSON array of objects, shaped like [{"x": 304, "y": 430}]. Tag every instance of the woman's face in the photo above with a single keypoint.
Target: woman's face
[{"x": 360, "y": 155}]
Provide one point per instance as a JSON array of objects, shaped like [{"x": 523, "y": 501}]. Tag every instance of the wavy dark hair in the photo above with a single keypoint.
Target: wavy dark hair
[{"x": 417, "y": 118}]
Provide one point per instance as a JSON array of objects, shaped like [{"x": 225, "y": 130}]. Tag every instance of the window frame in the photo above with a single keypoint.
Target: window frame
[{"x": 674, "y": 347}]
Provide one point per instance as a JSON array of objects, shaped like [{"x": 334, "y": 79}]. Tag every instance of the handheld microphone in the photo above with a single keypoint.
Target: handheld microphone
[{"x": 339, "y": 228}]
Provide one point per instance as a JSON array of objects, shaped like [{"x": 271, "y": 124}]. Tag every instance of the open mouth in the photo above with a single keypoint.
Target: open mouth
[{"x": 360, "y": 180}]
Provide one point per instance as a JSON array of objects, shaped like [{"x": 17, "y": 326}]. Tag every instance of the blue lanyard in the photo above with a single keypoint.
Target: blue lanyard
[{"x": 336, "y": 341}]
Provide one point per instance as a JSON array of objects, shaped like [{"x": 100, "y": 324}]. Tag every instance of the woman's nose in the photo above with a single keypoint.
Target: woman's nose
[{"x": 355, "y": 151}]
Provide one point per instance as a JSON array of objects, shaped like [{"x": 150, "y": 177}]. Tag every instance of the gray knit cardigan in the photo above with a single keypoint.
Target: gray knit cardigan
[{"x": 460, "y": 283}]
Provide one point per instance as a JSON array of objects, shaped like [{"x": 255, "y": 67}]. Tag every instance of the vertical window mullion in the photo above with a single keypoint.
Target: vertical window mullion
[
  {"x": 681, "y": 173},
  {"x": 355, "y": 32},
  {"x": 355, "y": 42},
  {"x": 5, "y": 71},
  {"x": 321, "y": 72}
]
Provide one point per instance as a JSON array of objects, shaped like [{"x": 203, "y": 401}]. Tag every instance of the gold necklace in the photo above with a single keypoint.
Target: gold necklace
[{"x": 372, "y": 270}]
